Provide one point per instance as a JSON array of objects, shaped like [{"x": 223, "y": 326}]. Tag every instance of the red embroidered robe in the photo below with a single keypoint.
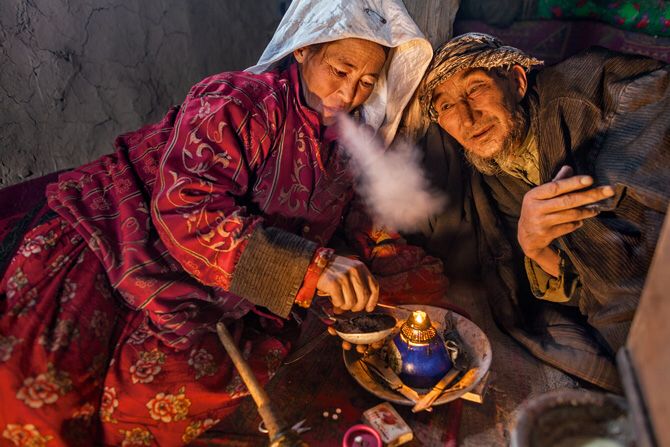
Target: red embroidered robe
[{"x": 193, "y": 220}]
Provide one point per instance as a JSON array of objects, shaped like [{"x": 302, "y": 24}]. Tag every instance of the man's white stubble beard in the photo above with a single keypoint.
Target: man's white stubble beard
[{"x": 511, "y": 146}]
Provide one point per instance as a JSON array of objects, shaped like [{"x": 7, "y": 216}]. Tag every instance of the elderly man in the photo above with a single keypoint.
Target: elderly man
[{"x": 568, "y": 193}]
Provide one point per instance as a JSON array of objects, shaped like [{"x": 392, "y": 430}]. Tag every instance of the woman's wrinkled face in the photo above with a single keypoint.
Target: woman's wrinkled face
[
  {"x": 339, "y": 76},
  {"x": 477, "y": 107}
]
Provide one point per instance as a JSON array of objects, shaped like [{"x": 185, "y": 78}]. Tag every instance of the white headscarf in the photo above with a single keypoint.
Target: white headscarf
[{"x": 386, "y": 22}]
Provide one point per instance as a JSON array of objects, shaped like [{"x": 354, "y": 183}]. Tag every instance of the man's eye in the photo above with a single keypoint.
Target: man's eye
[
  {"x": 443, "y": 107},
  {"x": 367, "y": 84},
  {"x": 475, "y": 89}
]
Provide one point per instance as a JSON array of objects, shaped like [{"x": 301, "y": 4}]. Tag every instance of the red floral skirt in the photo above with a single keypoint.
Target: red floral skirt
[{"x": 78, "y": 367}]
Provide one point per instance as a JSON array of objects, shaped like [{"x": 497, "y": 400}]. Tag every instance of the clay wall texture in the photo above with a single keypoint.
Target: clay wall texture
[{"x": 75, "y": 73}]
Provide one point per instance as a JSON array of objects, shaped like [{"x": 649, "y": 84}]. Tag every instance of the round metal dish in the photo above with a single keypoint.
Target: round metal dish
[{"x": 476, "y": 344}]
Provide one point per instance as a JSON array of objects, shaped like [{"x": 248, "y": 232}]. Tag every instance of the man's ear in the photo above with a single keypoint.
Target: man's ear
[{"x": 520, "y": 81}]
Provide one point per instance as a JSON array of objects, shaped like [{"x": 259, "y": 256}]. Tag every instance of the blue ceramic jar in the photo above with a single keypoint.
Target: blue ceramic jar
[{"x": 418, "y": 353}]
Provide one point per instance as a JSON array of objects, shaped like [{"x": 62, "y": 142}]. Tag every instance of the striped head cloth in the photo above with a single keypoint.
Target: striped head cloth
[{"x": 471, "y": 50}]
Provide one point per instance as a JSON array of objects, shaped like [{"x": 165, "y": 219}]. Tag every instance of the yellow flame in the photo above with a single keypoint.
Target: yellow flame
[{"x": 419, "y": 316}]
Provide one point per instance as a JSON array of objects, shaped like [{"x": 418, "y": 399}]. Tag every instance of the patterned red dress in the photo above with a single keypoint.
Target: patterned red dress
[{"x": 107, "y": 309}]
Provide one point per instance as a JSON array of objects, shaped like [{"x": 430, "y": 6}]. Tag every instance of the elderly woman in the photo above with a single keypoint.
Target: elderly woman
[{"x": 220, "y": 212}]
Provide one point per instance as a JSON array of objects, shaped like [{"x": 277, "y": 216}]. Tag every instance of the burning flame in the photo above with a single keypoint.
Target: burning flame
[{"x": 419, "y": 316}]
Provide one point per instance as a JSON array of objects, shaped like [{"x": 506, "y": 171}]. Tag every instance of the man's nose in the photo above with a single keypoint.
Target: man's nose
[{"x": 467, "y": 113}]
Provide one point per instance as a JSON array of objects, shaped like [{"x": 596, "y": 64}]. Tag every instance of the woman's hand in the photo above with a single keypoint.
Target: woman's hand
[
  {"x": 359, "y": 348},
  {"x": 555, "y": 209},
  {"x": 349, "y": 284}
]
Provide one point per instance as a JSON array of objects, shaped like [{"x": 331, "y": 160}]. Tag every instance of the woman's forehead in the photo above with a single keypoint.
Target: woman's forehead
[{"x": 355, "y": 53}]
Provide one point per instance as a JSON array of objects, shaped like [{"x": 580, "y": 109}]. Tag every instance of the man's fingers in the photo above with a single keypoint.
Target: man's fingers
[
  {"x": 578, "y": 199},
  {"x": 361, "y": 348},
  {"x": 331, "y": 330},
  {"x": 564, "y": 172},
  {"x": 570, "y": 215},
  {"x": 346, "y": 345},
  {"x": 563, "y": 229},
  {"x": 556, "y": 188}
]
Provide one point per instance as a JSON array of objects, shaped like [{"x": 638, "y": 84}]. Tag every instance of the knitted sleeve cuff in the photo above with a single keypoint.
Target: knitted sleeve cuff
[{"x": 271, "y": 269}]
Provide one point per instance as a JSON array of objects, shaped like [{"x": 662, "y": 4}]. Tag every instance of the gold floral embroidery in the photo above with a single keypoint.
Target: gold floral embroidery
[
  {"x": 27, "y": 302},
  {"x": 45, "y": 388},
  {"x": 7, "y": 346},
  {"x": 69, "y": 291},
  {"x": 141, "y": 334},
  {"x": 57, "y": 265},
  {"x": 32, "y": 246},
  {"x": 108, "y": 405},
  {"x": 197, "y": 428},
  {"x": 100, "y": 324},
  {"x": 203, "y": 363},
  {"x": 16, "y": 282},
  {"x": 102, "y": 286},
  {"x": 86, "y": 411},
  {"x": 99, "y": 203},
  {"x": 25, "y": 435},
  {"x": 61, "y": 337},
  {"x": 147, "y": 367},
  {"x": 169, "y": 407},
  {"x": 136, "y": 437},
  {"x": 236, "y": 387}
]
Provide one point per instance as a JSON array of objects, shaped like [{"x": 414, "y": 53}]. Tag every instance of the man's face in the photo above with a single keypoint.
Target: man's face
[
  {"x": 339, "y": 76},
  {"x": 480, "y": 108}
]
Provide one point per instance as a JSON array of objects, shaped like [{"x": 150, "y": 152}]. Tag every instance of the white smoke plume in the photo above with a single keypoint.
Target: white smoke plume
[{"x": 391, "y": 182}]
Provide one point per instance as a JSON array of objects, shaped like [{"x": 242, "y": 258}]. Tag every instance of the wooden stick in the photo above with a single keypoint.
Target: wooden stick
[
  {"x": 273, "y": 422},
  {"x": 427, "y": 399}
]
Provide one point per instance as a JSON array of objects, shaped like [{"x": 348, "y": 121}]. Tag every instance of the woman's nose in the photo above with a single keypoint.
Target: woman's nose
[{"x": 348, "y": 92}]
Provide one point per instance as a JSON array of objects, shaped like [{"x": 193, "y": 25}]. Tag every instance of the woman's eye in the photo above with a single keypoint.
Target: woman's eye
[
  {"x": 339, "y": 73},
  {"x": 367, "y": 85}
]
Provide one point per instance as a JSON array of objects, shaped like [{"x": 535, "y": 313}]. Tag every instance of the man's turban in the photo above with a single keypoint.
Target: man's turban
[{"x": 471, "y": 50}]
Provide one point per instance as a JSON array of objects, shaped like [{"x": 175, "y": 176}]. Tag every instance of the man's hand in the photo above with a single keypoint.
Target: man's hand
[
  {"x": 555, "y": 209},
  {"x": 349, "y": 284}
]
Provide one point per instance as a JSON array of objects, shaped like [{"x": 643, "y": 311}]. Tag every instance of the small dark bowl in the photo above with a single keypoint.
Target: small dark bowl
[
  {"x": 366, "y": 329},
  {"x": 573, "y": 418}
]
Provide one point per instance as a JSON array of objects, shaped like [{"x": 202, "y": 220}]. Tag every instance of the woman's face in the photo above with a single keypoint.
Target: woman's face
[{"x": 339, "y": 76}]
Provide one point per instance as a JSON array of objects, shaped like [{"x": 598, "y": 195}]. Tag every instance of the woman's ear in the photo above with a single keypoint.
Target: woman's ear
[
  {"x": 300, "y": 54},
  {"x": 520, "y": 81}
]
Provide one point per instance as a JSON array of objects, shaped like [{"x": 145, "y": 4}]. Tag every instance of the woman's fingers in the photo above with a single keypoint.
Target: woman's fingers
[
  {"x": 374, "y": 293},
  {"x": 348, "y": 292},
  {"x": 349, "y": 284},
  {"x": 361, "y": 288}
]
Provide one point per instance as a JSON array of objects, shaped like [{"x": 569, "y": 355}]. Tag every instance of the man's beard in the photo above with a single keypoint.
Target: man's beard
[{"x": 511, "y": 146}]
